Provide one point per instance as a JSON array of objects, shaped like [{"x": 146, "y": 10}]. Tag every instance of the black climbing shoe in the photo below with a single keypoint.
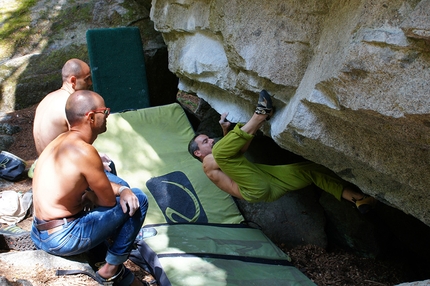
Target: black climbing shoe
[{"x": 265, "y": 105}]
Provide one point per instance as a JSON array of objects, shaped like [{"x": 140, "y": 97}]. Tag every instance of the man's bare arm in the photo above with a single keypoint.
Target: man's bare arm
[
  {"x": 219, "y": 178},
  {"x": 96, "y": 177}
]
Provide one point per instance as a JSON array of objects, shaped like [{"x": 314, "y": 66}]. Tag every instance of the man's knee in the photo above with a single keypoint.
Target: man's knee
[
  {"x": 221, "y": 152},
  {"x": 115, "y": 179}
]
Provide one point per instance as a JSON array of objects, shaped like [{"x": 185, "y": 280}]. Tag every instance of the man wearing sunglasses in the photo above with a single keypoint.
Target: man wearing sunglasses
[
  {"x": 50, "y": 118},
  {"x": 66, "y": 168}
]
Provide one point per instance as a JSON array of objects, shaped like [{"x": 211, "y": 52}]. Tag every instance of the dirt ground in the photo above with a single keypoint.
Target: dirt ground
[{"x": 334, "y": 267}]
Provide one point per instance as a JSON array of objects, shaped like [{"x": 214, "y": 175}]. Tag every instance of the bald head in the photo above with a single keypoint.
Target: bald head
[
  {"x": 74, "y": 67},
  {"x": 76, "y": 75},
  {"x": 80, "y": 102}
]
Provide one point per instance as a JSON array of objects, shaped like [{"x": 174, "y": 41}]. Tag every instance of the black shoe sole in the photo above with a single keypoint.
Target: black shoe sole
[
  {"x": 265, "y": 97},
  {"x": 18, "y": 242}
]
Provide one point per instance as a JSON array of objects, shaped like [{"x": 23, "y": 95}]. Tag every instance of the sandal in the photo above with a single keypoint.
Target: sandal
[
  {"x": 264, "y": 105},
  {"x": 124, "y": 277}
]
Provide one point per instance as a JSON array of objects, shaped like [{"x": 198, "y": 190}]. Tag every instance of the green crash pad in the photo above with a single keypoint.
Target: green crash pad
[
  {"x": 199, "y": 238},
  {"x": 118, "y": 67},
  {"x": 218, "y": 255},
  {"x": 150, "y": 149}
]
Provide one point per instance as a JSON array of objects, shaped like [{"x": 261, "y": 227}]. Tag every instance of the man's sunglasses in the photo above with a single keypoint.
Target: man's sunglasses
[{"x": 104, "y": 110}]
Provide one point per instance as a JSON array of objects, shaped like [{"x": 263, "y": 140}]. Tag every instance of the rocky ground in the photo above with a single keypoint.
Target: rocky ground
[{"x": 324, "y": 267}]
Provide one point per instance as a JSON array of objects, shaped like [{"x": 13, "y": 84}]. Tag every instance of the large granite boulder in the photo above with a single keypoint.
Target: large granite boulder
[{"x": 349, "y": 80}]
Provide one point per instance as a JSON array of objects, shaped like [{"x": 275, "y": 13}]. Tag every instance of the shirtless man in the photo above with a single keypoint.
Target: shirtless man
[
  {"x": 50, "y": 118},
  {"x": 62, "y": 224},
  {"x": 226, "y": 166}
]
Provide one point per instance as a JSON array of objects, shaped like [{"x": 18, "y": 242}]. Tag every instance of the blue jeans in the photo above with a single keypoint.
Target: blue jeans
[
  {"x": 103, "y": 224},
  {"x": 113, "y": 177}
]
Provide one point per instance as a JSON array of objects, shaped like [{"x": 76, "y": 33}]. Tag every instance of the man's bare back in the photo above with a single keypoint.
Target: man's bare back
[{"x": 50, "y": 119}]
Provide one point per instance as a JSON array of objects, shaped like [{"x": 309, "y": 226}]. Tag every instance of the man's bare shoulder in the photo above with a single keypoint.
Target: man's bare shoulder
[
  {"x": 52, "y": 106},
  {"x": 73, "y": 140},
  {"x": 50, "y": 119},
  {"x": 69, "y": 146},
  {"x": 209, "y": 163},
  {"x": 57, "y": 97}
]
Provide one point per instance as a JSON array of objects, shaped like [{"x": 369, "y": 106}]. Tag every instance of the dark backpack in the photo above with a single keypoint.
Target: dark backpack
[{"x": 11, "y": 166}]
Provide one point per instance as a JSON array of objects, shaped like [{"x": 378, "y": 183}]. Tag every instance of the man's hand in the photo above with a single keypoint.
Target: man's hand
[
  {"x": 106, "y": 161},
  {"x": 129, "y": 201},
  {"x": 225, "y": 124}
]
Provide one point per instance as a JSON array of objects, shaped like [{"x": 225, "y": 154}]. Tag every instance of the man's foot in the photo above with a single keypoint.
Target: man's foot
[
  {"x": 123, "y": 277},
  {"x": 366, "y": 204},
  {"x": 265, "y": 105}
]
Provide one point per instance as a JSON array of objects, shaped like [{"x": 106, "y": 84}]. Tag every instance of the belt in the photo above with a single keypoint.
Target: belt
[{"x": 53, "y": 223}]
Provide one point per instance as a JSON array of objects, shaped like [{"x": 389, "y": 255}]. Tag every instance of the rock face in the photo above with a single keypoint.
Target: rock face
[{"x": 350, "y": 81}]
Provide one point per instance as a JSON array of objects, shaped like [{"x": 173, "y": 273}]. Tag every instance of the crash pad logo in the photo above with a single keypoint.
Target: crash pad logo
[{"x": 177, "y": 198}]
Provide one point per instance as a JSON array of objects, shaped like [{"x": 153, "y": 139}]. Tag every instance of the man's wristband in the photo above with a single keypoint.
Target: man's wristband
[{"x": 122, "y": 188}]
